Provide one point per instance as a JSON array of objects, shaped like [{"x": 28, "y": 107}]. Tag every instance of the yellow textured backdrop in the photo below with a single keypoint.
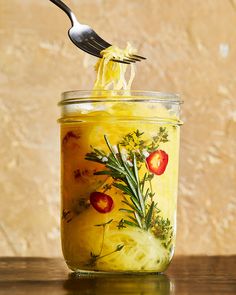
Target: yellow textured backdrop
[{"x": 191, "y": 49}]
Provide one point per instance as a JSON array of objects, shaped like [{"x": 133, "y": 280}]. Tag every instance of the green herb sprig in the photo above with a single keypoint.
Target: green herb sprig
[
  {"x": 95, "y": 257},
  {"x": 127, "y": 180},
  {"x": 141, "y": 210},
  {"x": 134, "y": 143}
]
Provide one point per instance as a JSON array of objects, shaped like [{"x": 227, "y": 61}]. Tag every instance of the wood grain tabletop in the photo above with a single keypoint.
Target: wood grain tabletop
[{"x": 186, "y": 275}]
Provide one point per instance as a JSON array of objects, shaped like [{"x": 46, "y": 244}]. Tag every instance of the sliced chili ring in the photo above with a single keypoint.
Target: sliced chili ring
[
  {"x": 157, "y": 162},
  {"x": 101, "y": 202}
]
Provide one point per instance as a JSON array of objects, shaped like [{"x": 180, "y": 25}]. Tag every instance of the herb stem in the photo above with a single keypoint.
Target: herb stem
[
  {"x": 103, "y": 237},
  {"x": 150, "y": 185},
  {"x": 118, "y": 248}
]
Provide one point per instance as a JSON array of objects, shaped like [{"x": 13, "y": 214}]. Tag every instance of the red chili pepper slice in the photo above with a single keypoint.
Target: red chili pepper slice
[
  {"x": 157, "y": 162},
  {"x": 101, "y": 202}
]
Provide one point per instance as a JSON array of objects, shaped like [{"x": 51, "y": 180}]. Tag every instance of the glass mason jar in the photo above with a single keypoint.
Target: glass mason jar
[{"x": 119, "y": 160}]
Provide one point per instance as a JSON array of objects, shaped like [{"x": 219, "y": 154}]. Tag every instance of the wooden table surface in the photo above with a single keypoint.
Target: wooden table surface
[{"x": 186, "y": 275}]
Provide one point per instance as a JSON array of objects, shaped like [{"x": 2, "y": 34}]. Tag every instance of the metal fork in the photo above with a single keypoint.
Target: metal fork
[{"x": 87, "y": 39}]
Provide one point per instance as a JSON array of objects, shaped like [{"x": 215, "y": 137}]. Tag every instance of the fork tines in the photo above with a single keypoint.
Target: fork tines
[{"x": 95, "y": 44}]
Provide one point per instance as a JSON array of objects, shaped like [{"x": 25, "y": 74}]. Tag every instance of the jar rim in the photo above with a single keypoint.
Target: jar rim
[{"x": 82, "y": 96}]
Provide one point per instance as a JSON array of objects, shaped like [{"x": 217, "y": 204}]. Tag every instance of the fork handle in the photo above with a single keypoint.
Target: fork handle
[{"x": 66, "y": 9}]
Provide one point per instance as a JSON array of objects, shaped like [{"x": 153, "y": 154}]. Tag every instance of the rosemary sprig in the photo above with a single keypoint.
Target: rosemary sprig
[
  {"x": 141, "y": 210},
  {"x": 127, "y": 180}
]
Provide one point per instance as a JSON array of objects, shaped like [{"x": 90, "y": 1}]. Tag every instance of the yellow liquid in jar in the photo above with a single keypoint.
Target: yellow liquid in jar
[{"x": 95, "y": 241}]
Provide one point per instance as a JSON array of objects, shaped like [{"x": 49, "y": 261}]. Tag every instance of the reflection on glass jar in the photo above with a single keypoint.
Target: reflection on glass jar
[{"x": 120, "y": 156}]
